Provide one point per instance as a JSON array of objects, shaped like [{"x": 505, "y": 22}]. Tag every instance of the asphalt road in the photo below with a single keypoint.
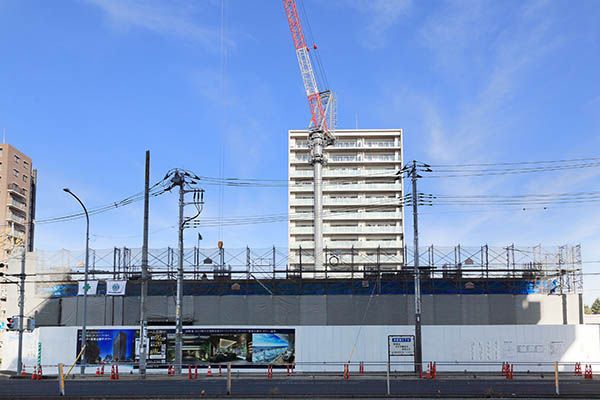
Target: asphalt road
[{"x": 297, "y": 387}]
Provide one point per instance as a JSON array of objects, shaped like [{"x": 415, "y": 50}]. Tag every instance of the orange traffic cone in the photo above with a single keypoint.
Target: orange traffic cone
[
  {"x": 209, "y": 372},
  {"x": 23, "y": 371},
  {"x": 34, "y": 374}
]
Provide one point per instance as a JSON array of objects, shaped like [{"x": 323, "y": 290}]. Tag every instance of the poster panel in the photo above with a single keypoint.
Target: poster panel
[
  {"x": 242, "y": 347},
  {"x": 108, "y": 345}
]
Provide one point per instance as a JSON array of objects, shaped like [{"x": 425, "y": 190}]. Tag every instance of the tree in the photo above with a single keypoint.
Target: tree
[
  {"x": 587, "y": 310},
  {"x": 596, "y": 306}
]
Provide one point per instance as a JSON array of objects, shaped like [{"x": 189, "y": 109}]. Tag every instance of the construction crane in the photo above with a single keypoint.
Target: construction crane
[{"x": 322, "y": 124}]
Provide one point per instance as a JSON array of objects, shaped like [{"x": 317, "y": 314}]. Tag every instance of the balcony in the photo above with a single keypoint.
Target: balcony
[
  {"x": 392, "y": 216},
  {"x": 17, "y": 219},
  {"x": 17, "y": 205},
  {"x": 327, "y": 173},
  {"x": 354, "y": 230},
  {"x": 357, "y": 201},
  {"x": 346, "y": 245},
  {"x": 363, "y": 187},
  {"x": 347, "y": 259},
  {"x": 15, "y": 189}
]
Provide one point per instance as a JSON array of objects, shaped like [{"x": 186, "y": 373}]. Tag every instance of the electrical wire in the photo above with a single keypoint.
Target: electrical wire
[
  {"x": 155, "y": 190},
  {"x": 516, "y": 163}
]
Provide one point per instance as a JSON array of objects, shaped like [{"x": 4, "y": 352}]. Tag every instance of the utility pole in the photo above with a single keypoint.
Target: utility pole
[
  {"x": 21, "y": 310},
  {"x": 144, "y": 295},
  {"x": 180, "y": 178},
  {"x": 411, "y": 170},
  {"x": 417, "y": 272}
]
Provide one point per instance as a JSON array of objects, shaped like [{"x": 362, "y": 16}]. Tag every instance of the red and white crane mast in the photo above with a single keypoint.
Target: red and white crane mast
[{"x": 322, "y": 104}]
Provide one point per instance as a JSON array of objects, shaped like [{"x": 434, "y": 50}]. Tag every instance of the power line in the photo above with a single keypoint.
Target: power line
[
  {"x": 107, "y": 207},
  {"x": 516, "y": 163}
]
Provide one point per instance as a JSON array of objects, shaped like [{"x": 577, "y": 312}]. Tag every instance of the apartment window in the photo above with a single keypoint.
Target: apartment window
[
  {"x": 17, "y": 158},
  {"x": 0, "y": 167},
  {"x": 25, "y": 164},
  {"x": 25, "y": 178},
  {"x": 1, "y": 150},
  {"x": 15, "y": 172}
]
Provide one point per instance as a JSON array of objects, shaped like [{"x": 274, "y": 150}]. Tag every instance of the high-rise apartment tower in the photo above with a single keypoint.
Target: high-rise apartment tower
[
  {"x": 363, "y": 218},
  {"x": 17, "y": 197}
]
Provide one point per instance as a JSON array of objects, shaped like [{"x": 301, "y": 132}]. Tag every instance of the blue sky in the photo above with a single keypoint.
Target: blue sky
[{"x": 89, "y": 85}]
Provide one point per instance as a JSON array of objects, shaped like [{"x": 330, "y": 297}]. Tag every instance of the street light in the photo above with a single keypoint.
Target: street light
[{"x": 85, "y": 284}]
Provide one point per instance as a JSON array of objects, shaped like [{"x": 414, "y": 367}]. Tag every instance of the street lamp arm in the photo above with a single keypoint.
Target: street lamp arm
[
  {"x": 87, "y": 216},
  {"x": 85, "y": 284}
]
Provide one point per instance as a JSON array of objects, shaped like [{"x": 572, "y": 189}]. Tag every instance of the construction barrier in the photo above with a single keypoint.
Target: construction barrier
[
  {"x": 588, "y": 372},
  {"x": 510, "y": 370},
  {"x": 578, "y": 369}
]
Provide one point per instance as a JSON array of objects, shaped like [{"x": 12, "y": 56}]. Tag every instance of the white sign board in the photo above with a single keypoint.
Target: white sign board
[
  {"x": 401, "y": 345},
  {"x": 115, "y": 288}
]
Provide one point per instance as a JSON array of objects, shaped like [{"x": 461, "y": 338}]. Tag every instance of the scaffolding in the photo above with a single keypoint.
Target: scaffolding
[{"x": 558, "y": 268}]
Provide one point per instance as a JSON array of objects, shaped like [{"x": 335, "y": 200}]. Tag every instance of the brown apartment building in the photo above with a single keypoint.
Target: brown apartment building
[
  {"x": 17, "y": 198},
  {"x": 17, "y": 209}
]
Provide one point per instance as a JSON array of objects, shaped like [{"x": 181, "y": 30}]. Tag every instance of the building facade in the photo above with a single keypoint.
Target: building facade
[
  {"x": 17, "y": 195},
  {"x": 363, "y": 219},
  {"x": 17, "y": 208}
]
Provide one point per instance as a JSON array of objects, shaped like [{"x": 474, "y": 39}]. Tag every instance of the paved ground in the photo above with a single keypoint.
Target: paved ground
[{"x": 302, "y": 387}]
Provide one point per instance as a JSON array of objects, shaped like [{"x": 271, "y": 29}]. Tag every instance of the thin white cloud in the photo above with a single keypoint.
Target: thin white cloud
[
  {"x": 382, "y": 15},
  {"x": 460, "y": 36},
  {"x": 175, "y": 18}
]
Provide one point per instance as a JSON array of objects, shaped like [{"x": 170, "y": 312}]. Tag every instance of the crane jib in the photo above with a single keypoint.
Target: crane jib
[{"x": 315, "y": 102}]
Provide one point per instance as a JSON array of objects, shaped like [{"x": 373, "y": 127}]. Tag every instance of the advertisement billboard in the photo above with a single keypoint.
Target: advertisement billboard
[
  {"x": 108, "y": 345},
  {"x": 242, "y": 347}
]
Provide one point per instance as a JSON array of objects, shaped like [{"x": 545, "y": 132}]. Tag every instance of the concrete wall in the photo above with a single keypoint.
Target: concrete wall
[
  {"x": 454, "y": 348},
  {"x": 498, "y": 309}
]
